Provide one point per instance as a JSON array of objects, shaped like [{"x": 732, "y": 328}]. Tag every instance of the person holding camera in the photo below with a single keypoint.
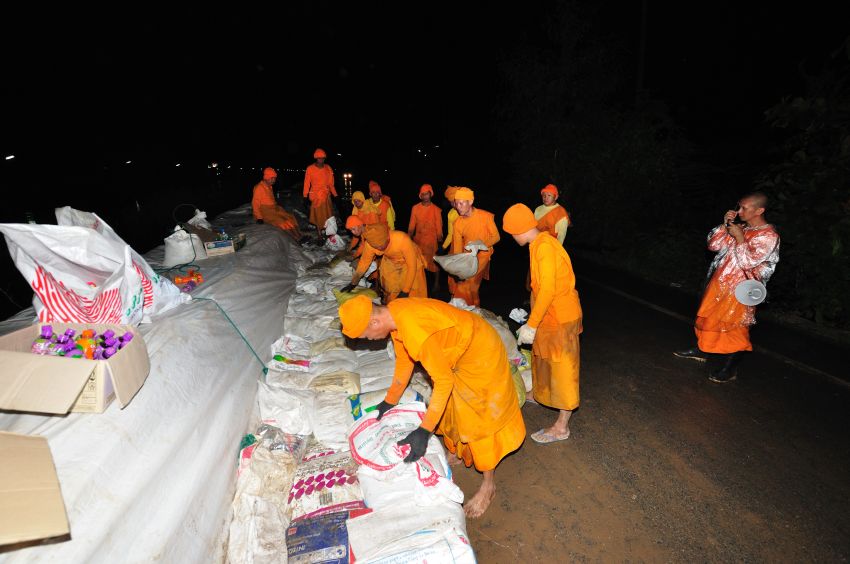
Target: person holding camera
[{"x": 747, "y": 248}]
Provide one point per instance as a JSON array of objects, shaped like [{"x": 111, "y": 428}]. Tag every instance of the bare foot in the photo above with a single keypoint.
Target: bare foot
[
  {"x": 453, "y": 459},
  {"x": 479, "y": 503}
]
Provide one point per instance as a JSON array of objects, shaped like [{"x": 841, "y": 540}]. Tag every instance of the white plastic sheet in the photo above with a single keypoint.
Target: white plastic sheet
[{"x": 155, "y": 481}]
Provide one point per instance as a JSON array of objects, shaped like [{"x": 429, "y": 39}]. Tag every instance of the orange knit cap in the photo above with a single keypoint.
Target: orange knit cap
[
  {"x": 358, "y": 196},
  {"x": 354, "y": 315},
  {"x": 377, "y": 235},
  {"x": 464, "y": 193},
  {"x": 551, "y": 189},
  {"x": 269, "y": 173},
  {"x": 353, "y": 221},
  {"x": 373, "y": 184},
  {"x": 319, "y": 154},
  {"x": 518, "y": 219},
  {"x": 426, "y": 188},
  {"x": 450, "y": 193}
]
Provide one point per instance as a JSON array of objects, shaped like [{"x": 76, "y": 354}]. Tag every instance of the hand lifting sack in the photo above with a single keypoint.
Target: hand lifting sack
[
  {"x": 463, "y": 265},
  {"x": 82, "y": 272}
]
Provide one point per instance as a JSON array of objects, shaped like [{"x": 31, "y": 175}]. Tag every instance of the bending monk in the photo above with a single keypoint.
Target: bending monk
[
  {"x": 401, "y": 271},
  {"x": 474, "y": 404},
  {"x": 267, "y": 210}
]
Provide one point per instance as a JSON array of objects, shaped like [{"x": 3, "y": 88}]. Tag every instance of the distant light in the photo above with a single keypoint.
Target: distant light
[
  {"x": 436, "y": 146},
  {"x": 128, "y": 162},
  {"x": 228, "y": 166},
  {"x": 339, "y": 154},
  {"x": 178, "y": 164},
  {"x": 10, "y": 157},
  {"x": 420, "y": 150}
]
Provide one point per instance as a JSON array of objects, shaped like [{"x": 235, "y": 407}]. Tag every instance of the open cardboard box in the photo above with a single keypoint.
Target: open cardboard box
[
  {"x": 55, "y": 384},
  {"x": 31, "y": 505},
  {"x": 216, "y": 248}
]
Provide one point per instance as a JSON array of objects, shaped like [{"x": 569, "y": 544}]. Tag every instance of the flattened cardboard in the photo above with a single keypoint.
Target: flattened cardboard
[
  {"x": 31, "y": 505},
  {"x": 49, "y": 384}
]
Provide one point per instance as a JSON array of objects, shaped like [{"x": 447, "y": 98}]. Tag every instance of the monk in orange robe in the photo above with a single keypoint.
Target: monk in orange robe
[
  {"x": 401, "y": 271},
  {"x": 380, "y": 205},
  {"x": 554, "y": 324},
  {"x": 474, "y": 403},
  {"x": 551, "y": 216},
  {"x": 745, "y": 251},
  {"x": 319, "y": 187},
  {"x": 450, "y": 222},
  {"x": 472, "y": 224},
  {"x": 267, "y": 210},
  {"x": 426, "y": 230},
  {"x": 365, "y": 217}
]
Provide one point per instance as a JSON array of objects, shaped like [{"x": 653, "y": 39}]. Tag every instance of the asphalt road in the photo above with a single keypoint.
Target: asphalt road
[{"x": 664, "y": 465}]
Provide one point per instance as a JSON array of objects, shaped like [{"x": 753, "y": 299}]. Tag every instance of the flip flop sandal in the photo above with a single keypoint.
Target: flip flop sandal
[{"x": 543, "y": 438}]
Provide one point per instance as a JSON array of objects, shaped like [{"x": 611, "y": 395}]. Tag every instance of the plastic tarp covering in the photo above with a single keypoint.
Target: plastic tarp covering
[{"x": 155, "y": 481}]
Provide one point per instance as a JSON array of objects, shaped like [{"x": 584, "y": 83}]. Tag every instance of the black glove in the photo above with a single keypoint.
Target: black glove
[
  {"x": 418, "y": 441},
  {"x": 383, "y": 407},
  {"x": 348, "y": 288},
  {"x": 260, "y": 221},
  {"x": 403, "y": 295}
]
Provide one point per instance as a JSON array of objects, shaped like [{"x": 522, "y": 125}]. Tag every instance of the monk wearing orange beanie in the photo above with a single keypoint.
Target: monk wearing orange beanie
[
  {"x": 474, "y": 404},
  {"x": 267, "y": 210},
  {"x": 554, "y": 324}
]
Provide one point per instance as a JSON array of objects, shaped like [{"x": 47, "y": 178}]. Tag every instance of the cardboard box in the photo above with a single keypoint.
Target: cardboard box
[
  {"x": 55, "y": 384},
  {"x": 31, "y": 505},
  {"x": 216, "y": 248}
]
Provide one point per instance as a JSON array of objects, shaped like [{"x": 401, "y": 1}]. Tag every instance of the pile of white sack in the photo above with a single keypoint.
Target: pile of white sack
[{"x": 320, "y": 478}]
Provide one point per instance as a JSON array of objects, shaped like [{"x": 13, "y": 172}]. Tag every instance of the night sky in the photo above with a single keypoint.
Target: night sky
[{"x": 360, "y": 79}]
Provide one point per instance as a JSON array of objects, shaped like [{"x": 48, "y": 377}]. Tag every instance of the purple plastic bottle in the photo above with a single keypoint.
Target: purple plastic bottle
[{"x": 125, "y": 338}]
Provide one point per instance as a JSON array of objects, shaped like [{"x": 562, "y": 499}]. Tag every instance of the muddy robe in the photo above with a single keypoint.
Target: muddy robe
[
  {"x": 426, "y": 230},
  {"x": 401, "y": 268},
  {"x": 479, "y": 226},
  {"x": 474, "y": 405},
  {"x": 266, "y": 208},
  {"x": 723, "y": 324},
  {"x": 556, "y": 314},
  {"x": 319, "y": 186}
]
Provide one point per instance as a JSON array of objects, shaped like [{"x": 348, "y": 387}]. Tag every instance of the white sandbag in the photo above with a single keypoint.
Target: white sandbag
[
  {"x": 199, "y": 220},
  {"x": 325, "y": 484},
  {"x": 81, "y": 271},
  {"x": 460, "y": 303},
  {"x": 385, "y": 478},
  {"x": 325, "y": 345},
  {"x": 330, "y": 420},
  {"x": 259, "y": 505},
  {"x": 287, "y": 409},
  {"x": 333, "y": 242},
  {"x": 462, "y": 265},
  {"x": 312, "y": 328},
  {"x": 362, "y": 404},
  {"x": 399, "y": 535},
  {"x": 183, "y": 248},
  {"x": 340, "y": 382}
]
